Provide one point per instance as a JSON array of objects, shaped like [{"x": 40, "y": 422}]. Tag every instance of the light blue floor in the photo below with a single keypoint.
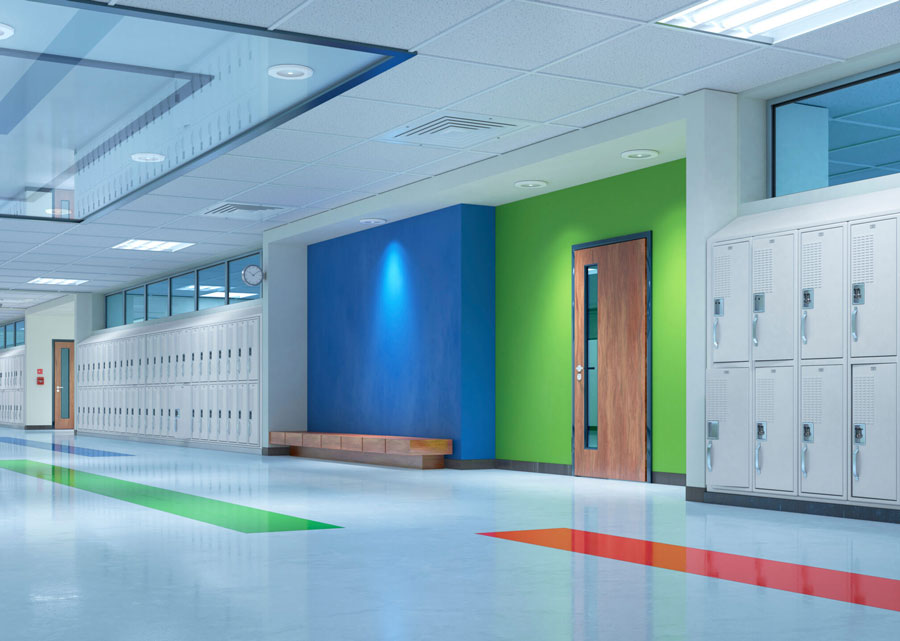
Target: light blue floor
[{"x": 407, "y": 564}]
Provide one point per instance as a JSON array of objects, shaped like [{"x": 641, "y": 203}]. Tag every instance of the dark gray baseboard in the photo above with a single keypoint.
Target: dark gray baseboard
[
  {"x": 668, "y": 478},
  {"x": 469, "y": 464},
  {"x": 276, "y": 450},
  {"x": 533, "y": 466},
  {"x": 39, "y": 427},
  {"x": 694, "y": 494}
]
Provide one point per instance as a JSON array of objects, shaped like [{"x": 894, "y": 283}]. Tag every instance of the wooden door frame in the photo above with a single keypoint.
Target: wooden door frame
[
  {"x": 648, "y": 236},
  {"x": 53, "y": 378}
]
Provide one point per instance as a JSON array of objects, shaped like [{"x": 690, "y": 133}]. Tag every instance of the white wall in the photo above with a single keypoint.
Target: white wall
[{"x": 44, "y": 324}]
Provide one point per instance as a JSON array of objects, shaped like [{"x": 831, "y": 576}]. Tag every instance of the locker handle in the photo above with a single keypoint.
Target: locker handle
[
  {"x": 803, "y": 327},
  {"x": 803, "y": 460},
  {"x": 855, "y": 469},
  {"x": 715, "y": 333},
  {"x": 853, "y": 321},
  {"x": 758, "y": 445},
  {"x": 755, "y": 321},
  {"x": 709, "y": 455}
]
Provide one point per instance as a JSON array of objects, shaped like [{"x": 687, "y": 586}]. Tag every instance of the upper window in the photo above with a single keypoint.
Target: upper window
[
  {"x": 242, "y": 273},
  {"x": 837, "y": 135},
  {"x": 20, "y": 333},
  {"x": 115, "y": 309},
  {"x": 183, "y": 289},
  {"x": 134, "y": 305},
  {"x": 211, "y": 287},
  {"x": 10, "y": 335},
  {"x": 158, "y": 299}
]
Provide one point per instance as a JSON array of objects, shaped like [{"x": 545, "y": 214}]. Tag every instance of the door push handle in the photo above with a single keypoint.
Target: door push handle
[
  {"x": 855, "y": 469},
  {"x": 715, "y": 333},
  {"x": 803, "y": 460},
  {"x": 803, "y": 327},
  {"x": 853, "y": 322},
  {"x": 579, "y": 369},
  {"x": 758, "y": 445},
  {"x": 709, "y": 455},
  {"x": 755, "y": 338}
]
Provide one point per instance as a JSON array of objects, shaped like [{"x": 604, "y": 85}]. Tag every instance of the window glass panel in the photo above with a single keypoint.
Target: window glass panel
[
  {"x": 158, "y": 299},
  {"x": 590, "y": 432},
  {"x": 183, "y": 294},
  {"x": 115, "y": 309},
  {"x": 238, "y": 290},
  {"x": 837, "y": 136},
  {"x": 211, "y": 283},
  {"x": 10, "y": 335},
  {"x": 134, "y": 305},
  {"x": 20, "y": 333}
]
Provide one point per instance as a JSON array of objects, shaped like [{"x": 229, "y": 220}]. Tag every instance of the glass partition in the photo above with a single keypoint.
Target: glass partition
[
  {"x": 115, "y": 309},
  {"x": 10, "y": 335},
  {"x": 211, "y": 289},
  {"x": 183, "y": 290},
  {"x": 158, "y": 299},
  {"x": 134, "y": 305},
  {"x": 20, "y": 333}
]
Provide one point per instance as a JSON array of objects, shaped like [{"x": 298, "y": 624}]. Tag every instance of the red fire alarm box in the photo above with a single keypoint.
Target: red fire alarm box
[
  {"x": 40, "y": 371},
  {"x": 40, "y": 380}
]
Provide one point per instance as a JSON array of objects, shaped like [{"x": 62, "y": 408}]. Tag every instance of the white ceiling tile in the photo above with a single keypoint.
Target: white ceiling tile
[
  {"x": 168, "y": 204},
  {"x": 864, "y": 33},
  {"x": 388, "y": 156},
  {"x": 297, "y": 214},
  {"x": 296, "y": 146},
  {"x": 394, "y": 182},
  {"x": 643, "y": 10},
  {"x": 450, "y": 163},
  {"x": 110, "y": 231},
  {"x": 26, "y": 236},
  {"x": 394, "y": 23},
  {"x": 432, "y": 82},
  {"x": 540, "y": 98},
  {"x": 74, "y": 241},
  {"x": 128, "y": 217},
  {"x": 523, "y": 138},
  {"x": 48, "y": 226},
  {"x": 525, "y": 35},
  {"x": 258, "y": 170},
  {"x": 613, "y": 108},
  {"x": 649, "y": 55},
  {"x": 332, "y": 177},
  {"x": 342, "y": 199},
  {"x": 201, "y": 223},
  {"x": 286, "y": 195},
  {"x": 193, "y": 187},
  {"x": 260, "y": 14},
  {"x": 355, "y": 117},
  {"x": 739, "y": 74}
]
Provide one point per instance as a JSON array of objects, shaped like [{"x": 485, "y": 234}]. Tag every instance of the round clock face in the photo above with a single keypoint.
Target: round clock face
[{"x": 252, "y": 275}]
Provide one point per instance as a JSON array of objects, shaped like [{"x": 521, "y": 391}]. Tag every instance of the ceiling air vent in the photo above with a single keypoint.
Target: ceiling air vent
[
  {"x": 243, "y": 211},
  {"x": 454, "y": 130}
]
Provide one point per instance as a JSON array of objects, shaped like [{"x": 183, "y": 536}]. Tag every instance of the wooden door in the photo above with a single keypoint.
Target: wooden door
[
  {"x": 610, "y": 377},
  {"x": 63, "y": 388}
]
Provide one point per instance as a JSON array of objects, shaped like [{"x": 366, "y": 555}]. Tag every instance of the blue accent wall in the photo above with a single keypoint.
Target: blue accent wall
[{"x": 401, "y": 330}]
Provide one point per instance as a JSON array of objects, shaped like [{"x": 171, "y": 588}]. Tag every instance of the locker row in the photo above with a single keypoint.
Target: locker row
[
  {"x": 12, "y": 407},
  {"x": 12, "y": 372},
  {"x": 841, "y": 290},
  {"x": 770, "y": 438},
  {"x": 224, "y": 413},
  {"x": 222, "y": 352}
]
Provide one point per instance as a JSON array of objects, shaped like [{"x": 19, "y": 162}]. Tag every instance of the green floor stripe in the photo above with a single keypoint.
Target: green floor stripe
[{"x": 228, "y": 515}]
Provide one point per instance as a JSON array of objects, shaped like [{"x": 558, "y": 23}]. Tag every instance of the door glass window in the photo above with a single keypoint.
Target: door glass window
[
  {"x": 590, "y": 348},
  {"x": 64, "y": 383}
]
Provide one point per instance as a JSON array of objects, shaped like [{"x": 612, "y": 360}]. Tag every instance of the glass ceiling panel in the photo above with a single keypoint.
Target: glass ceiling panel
[{"x": 100, "y": 104}]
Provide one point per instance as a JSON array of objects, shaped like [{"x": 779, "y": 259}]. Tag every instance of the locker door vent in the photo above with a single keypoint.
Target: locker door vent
[
  {"x": 722, "y": 277},
  {"x": 863, "y": 252},
  {"x": 812, "y": 265},
  {"x": 863, "y": 399},
  {"x": 812, "y": 400},
  {"x": 762, "y": 271},
  {"x": 765, "y": 399},
  {"x": 717, "y": 401}
]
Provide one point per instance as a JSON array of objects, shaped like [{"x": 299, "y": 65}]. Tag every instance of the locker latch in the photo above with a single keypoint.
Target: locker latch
[
  {"x": 759, "y": 303},
  {"x": 859, "y": 433},
  {"x": 761, "y": 431},
  {"x": 808, "y": 300},
  {"x": 808, "y": 433},
  {"x": 712, "y": 430},
  {"x": 859, "y": 293}
]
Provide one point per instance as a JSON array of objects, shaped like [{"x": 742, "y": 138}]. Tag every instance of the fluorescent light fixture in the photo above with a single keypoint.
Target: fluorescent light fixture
[
  {"x": 233, "y": 295},
  {"x": 148, "y": 156},
  {"x": 639, "y": 154},
  {"x": 56, "y": 281},
  {"x": 6, "y": 31},
  {"x": 290, "y": 72},
  {"x": 152, "y": 245},
  {"x": 531, "y": 184},
  {"x": 768, "y": 21}
]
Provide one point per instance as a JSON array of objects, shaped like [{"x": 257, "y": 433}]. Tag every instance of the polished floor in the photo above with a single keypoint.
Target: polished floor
[{"x": 124, "y": 546}]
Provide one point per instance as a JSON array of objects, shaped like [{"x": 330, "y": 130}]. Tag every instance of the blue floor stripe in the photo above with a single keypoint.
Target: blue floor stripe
[{"x": 59, "y": 447}]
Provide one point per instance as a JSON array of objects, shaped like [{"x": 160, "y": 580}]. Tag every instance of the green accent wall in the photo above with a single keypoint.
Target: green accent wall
[{"x": 534, "y": 308}]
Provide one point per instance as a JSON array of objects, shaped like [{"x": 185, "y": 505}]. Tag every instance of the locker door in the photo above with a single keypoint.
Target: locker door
[
  {"x": 873, "y": 288},
  {"x": 240, "y": 346},
  {"x": 211, "y": 347},
  {"x": 221, "y": 352},
  {"x": 194, "y": 412},
  {"x": 205, "y": 413},
  {"x": 195, "y": 355},
  {"x": 141, "y": 358},
  {"x": 772, "y": 307},
  {"x": 253, "y": 413},
  {"x": 184, "y": 338},
  {"x": 220, "y": 412},
  {"x": 873, "y": 458},
  {"x": 252, "y": 357},
  {"x": 730, "y": 303},
  {"x": 822, "y": 435},
  {"x": 727, "y": 427},
  {"x": 229, "y": 413},
  {"x": 773, "y": 429},
  {"x": 117, "y": 362}
]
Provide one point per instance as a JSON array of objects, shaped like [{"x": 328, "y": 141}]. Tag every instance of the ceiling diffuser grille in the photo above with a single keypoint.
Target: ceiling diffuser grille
[
  {"x": 453, "y": 130},
  {"x": 243, "y": 211}
]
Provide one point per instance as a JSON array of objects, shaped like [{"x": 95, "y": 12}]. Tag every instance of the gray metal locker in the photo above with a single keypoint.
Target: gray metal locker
[
  {"x": 772, "y": 303},
  {"x": 730, "y": 304},
  {"x": 195, "y": 411},
  {"x": 823, "y": 436},
  {"x": 230, "y": 350},
  {"x": 221, "y": 350},
  {"x": 873, "y": 432},
  {"x": 727, "y": 427},
  {"x": 253, "y": 413},
  {"x": 873, "y": 288},
  {"x": 253, "y": 352}
]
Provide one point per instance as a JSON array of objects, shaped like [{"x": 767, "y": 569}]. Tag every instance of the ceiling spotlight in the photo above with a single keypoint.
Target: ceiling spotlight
[
  {"x": 290, "y": 72},
  {"x": 531, "y": 184},
  {"x": 639, "y": 154},
  {"x": 6, "y": 31},
  {"x": 147, "y": 156},
  {"x": 372, "y": 221}
]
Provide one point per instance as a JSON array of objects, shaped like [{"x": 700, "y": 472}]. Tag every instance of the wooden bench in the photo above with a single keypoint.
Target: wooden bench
[{"x": 400, "y": 451}]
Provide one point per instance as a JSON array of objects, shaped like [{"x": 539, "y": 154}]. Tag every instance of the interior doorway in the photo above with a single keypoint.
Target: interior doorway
[
  {"x": 63, "y": 388},
  {"x": 611, "y": 377}
]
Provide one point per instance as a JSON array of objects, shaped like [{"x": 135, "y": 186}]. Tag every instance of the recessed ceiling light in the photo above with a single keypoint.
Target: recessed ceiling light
[
  {"x": 531, "y": 184},
  {"x": 639, "y": 154},
  {"x": 57, "y": 212},
  {"x": 372, "y": 221},
  {"x": 147, "y": 156},
  {"x": 6, "y": 31},
  {"x": 56, "y": 281},
  {"x": 290, "y": 72},
  {"x": 768, "y": 21},
  {"x": 152, "y": 245}
]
